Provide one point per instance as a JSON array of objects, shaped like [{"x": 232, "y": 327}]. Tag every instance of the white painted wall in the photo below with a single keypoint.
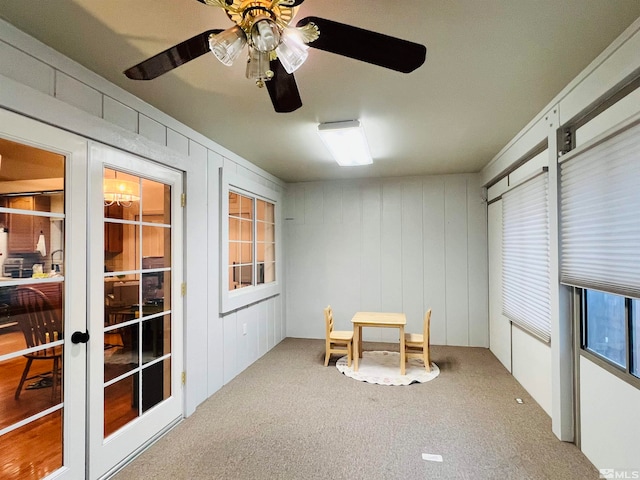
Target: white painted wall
[
  {"x": 499, "y": 325},
  {"x": 41, "y": 83},
  {"x": 395, "y": 244},
  {"x": 608, "y": 405},
  {"x": 531, "y": 366},
  {"x": 610, "y": 420}
]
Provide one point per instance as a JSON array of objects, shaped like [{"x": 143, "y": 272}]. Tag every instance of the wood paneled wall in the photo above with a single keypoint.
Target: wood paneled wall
[{"x": 396, "y": 244}]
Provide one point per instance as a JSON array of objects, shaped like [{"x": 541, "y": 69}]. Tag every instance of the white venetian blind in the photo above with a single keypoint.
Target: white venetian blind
[
  {"x": 600, "y": 215},
  {"x": 525, "y": 256}
]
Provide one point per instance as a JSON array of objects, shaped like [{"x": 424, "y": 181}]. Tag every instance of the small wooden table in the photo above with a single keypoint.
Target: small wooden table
[{"x": 377, "y": 319}]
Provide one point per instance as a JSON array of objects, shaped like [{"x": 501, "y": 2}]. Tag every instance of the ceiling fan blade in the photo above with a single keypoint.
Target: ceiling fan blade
[
  {"x": 228, "y": 2},
  {"x": 171, "y": 58},
  {"x": 283, "y": 89},
  {"x": 286, "y": 3},
  {"x": 367, "y": 46}
]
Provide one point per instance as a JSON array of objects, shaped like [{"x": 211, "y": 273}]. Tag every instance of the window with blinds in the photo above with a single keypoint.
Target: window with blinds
[
  {"x": 600, "y": 214},
  {"x": 526, "y": 256}
]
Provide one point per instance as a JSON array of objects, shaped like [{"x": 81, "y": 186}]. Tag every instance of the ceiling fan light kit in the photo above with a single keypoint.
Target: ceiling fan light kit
[
  {"x": 276, "y": 48},
  {"x": 259, "y": 67},
  {"x": 265, "y": 35},
  {"x": 292, "y": 51},
  {"x": 228, "y": 45},
  {"x": 347, "y": 142}
]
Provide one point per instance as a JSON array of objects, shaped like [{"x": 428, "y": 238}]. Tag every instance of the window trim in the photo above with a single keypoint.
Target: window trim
[
  {"x": 623, "y": 373},
  {"x": 231, "y": 300}
]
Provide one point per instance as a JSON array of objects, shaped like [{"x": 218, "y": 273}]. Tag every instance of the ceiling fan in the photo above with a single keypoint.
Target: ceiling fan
[{"x": 277, "y": 49}]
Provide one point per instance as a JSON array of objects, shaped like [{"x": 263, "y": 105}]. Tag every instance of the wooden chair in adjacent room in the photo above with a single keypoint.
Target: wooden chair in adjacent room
[
  {"x": 337, "y": 341},
  {"x": 40, "y": 325},
  {"x": 416, "y": 345}
]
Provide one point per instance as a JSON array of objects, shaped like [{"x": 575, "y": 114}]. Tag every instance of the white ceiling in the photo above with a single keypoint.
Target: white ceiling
[{"x": 491, "y": 66}]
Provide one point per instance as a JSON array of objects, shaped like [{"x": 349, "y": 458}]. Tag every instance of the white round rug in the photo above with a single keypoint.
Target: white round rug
[{"x": 383, "y": 368}]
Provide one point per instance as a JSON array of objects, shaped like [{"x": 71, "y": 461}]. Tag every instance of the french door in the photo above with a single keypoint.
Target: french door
[
  {"x": 135, "y": 359},
  {"x": 42, "y": 301},
  {"x": 90, "y": 303}
]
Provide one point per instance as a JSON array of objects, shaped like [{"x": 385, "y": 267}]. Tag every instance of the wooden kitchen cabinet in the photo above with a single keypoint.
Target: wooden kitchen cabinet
[
  {"x": 24, "y": 230},
  {"x": 113, "y": 232}
]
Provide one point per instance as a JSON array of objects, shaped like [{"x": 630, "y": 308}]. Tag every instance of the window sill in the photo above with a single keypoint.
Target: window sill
[{"x": 242, "y": 297}]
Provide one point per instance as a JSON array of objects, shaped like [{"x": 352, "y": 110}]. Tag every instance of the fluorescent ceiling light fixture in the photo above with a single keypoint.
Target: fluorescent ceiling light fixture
[{"x": 346, "y": 142}]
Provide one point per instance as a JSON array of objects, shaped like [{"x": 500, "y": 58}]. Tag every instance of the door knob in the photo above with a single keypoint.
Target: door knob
[{"x": 80, "y": 337}]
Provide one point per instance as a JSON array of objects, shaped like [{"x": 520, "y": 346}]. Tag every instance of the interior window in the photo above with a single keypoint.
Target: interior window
[
  {"x": 266, "y": 242},
  {"x": 251, "y": 241},
  {"x": 240, "y": 241}
]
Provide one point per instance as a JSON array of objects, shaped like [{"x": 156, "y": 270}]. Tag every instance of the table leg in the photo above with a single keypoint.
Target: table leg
[
  {"x": 356, "y": 346},
  {"x": 402, "y": 352}
]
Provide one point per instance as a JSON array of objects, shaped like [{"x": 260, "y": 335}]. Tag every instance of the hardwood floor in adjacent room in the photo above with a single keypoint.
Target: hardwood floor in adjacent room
[{"x": 35, "y": 450}]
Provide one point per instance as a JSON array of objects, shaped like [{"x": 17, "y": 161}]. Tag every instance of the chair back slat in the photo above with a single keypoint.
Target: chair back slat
[
  {"x": 38, "y": 320},
  {"x": 328, "y": 320},
  {"x": 427, "y": 322},
  {"x": 342, "y": 343}
]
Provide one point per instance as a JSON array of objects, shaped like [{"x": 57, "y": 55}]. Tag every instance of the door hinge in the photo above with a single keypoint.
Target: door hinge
[
  {"x": 183, "y": 289},
  {"x": 184, "y": 378},
  {"x": 183, "y": 200}
]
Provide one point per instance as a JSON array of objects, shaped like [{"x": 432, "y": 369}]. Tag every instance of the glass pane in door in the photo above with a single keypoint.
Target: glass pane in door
[
  {"x": 32, "y": 335},
  {"x": 137, "y": 285},
  {"x": 20, "y": 460}
]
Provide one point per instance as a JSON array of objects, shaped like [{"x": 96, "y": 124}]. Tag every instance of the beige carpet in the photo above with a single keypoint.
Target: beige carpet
[{"x": 288, "y": 417}]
